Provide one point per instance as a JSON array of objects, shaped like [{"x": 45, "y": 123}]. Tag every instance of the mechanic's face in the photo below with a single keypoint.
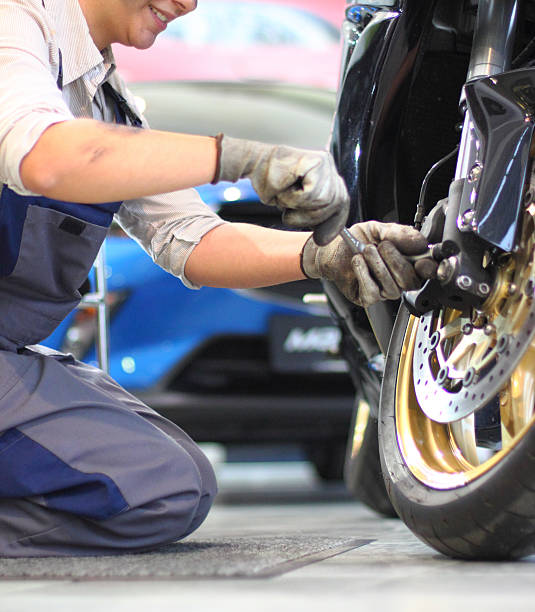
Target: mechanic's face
[{"x": 134, "y": 23}]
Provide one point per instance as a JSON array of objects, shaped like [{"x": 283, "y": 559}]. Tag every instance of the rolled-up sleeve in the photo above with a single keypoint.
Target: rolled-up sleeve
[
  {"x": 168, "y": 227},
  {"x": 30, "y": 100}
]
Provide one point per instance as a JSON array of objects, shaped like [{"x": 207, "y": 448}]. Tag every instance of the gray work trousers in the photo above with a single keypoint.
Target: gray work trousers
[{"x": 88, "y": 469}]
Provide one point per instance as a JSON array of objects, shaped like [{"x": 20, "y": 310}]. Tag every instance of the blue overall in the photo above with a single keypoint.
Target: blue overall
[{"x": 85, "y": 468}]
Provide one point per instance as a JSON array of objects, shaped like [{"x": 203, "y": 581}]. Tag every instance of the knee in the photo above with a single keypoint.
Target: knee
[
  {"x": 177, "y": 516},
  {"x": 157, "y": 522},
  {"x": 171, "y": 516},
  {"x": 198, "y": 504}
]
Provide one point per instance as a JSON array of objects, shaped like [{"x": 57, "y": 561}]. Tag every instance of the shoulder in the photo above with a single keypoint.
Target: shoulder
[
  {"x": 26, "y": 19},
  {"x": 26, "y": 26},
  {"x": 35, "y": 9}
]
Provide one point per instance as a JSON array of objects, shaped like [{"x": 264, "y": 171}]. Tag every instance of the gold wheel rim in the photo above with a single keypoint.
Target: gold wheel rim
[
  {"x": 361, "y": 424},
  {"x": 447, "y": 455}
]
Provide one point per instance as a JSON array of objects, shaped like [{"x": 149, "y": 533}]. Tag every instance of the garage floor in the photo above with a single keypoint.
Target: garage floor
[{"x": 378, "y": 565}]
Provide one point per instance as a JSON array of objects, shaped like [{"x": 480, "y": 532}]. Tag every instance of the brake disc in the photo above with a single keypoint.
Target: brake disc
[{"x": 462, "y": 360}]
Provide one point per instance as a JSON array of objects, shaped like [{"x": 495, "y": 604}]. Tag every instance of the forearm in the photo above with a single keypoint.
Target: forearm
[
  {"x": 243, "y": 256},
  {"x": 89, "y": 161}
]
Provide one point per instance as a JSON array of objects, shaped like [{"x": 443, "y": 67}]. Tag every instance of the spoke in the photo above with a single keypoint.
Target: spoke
[
  {"x": 482, "y": 345},
  {"x": 460, "y": 356},
  {"x": 465, "y": 437},
  {"x": 518, "y": 411},
  {"x": 506, "y": 417},
  {"x": 451, "y": 329}
]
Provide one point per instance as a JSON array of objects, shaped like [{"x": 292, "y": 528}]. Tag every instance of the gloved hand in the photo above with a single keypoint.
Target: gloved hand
[
  {"x": 380, "y": 272},
  {"x": 304, "y": 184}
]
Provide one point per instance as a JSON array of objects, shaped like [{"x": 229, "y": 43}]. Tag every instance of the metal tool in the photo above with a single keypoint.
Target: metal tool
[{"x": 433, "y": 251}]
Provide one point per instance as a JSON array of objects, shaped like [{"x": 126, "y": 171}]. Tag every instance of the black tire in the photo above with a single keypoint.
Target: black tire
[
  {"x": 328, "y": 461},
  {"x": 362, "y": 472},
  {"x": 490, "y": 517}
]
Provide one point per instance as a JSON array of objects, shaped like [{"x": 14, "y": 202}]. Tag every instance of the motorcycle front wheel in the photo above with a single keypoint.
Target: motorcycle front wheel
[{"x": 456, "y": 430}]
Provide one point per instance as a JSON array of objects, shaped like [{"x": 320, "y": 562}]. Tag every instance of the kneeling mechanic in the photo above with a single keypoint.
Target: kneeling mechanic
[{"x": 85, "y": 467}]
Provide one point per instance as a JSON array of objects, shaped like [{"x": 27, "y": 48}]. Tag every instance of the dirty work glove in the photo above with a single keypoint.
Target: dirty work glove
[
  {"x": 304, "y": 184},
  {"x": 380, "y": 272}
]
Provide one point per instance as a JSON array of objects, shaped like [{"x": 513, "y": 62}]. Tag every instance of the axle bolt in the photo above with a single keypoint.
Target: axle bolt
[{"x": 511, "y": 289}]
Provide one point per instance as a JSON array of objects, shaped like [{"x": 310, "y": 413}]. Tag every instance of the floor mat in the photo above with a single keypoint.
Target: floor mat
[{"x": 240, "y": 557}]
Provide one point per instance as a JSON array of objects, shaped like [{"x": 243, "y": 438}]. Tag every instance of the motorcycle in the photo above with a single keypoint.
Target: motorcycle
[{"x": 435, "y": 127}]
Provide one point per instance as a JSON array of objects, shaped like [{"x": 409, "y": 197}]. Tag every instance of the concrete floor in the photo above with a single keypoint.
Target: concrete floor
[{"x": 394, "y": 572}]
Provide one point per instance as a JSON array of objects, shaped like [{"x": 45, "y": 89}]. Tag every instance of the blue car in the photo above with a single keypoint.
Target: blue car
[{"x": 228, "y": 366}]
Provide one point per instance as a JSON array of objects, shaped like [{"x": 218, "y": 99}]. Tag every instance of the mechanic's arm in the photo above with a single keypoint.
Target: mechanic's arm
[
  {"x": 238, "y": 255},
  {"x": 88, "y": 161}
]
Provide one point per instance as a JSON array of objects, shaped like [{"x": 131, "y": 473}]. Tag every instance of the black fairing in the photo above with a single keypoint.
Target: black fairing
[
  {"x": 502, "y": 108},
  {"x": 396, "y": 113}
]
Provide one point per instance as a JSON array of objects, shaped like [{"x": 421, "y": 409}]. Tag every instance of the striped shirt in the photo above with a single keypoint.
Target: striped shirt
[{"x": 167, "y": 226}]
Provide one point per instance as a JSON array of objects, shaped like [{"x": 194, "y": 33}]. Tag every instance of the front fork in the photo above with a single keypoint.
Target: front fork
[{"x": 483, "y": 207}]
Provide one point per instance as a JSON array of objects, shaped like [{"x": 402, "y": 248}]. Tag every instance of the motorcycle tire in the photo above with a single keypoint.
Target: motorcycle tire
[
  {"x": 463, "y": 510},
  {"x": 362, "y": 472}
]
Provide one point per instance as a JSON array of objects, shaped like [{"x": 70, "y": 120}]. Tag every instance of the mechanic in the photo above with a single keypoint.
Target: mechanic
[{"x": 85, "y": 467}]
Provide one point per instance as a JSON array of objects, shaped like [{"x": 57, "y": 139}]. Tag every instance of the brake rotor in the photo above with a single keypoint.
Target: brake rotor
[{"x": 462, "y": 360}]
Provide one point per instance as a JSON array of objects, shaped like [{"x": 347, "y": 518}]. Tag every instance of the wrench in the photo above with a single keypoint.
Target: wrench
[{"x": 357, "y": 247}]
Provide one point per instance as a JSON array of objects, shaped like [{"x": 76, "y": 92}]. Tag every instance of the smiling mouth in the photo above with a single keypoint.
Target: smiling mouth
[{"x": 160, "y": 15}]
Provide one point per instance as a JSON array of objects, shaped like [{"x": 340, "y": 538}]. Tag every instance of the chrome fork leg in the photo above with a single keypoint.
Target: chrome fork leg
[
  {"x": 492, "y": 50},
  {"x": 493, "y": 37}
]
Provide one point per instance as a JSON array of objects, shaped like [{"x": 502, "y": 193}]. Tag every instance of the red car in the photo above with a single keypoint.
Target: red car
[{"x": 295, "y": 41}]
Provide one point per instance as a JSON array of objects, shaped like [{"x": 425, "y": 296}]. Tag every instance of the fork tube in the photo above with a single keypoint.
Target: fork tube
[
  {"x": 492, "y": 49},
  {"x": 493, "y": 38}
]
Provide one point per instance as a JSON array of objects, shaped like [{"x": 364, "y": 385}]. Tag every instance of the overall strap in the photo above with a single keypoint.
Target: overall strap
[{"x": 122, "y": 108}]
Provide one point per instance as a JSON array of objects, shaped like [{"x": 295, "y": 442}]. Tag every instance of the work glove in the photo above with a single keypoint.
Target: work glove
[
  {"x": 381, "y": 272},
  {"x": 304, "y": 184}
]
